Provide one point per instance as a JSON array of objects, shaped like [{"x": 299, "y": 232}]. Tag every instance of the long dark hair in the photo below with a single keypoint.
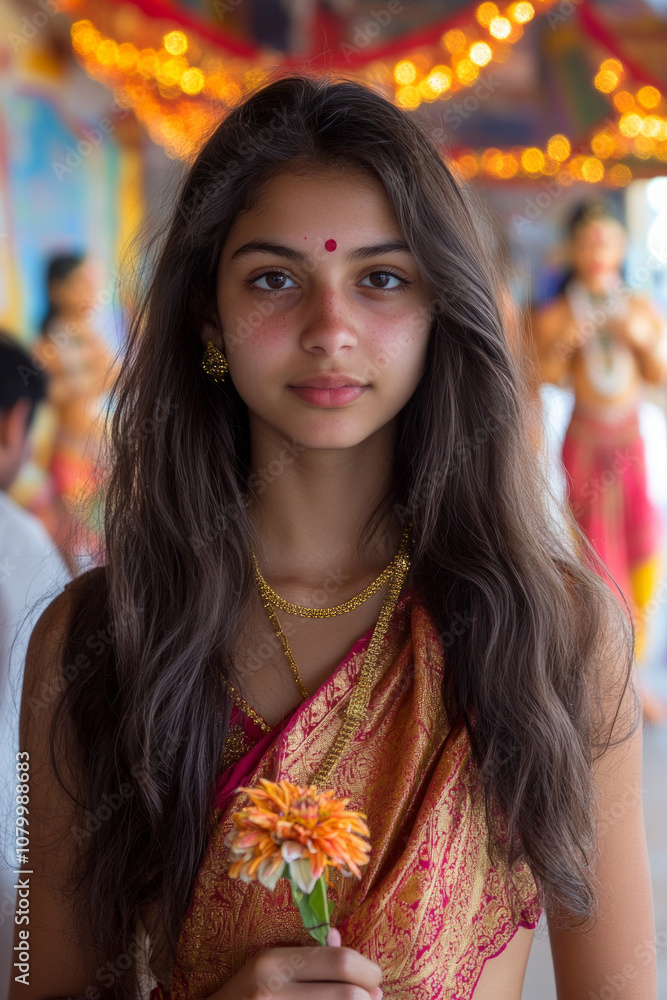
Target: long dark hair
[{"x": 537, "y": 631}]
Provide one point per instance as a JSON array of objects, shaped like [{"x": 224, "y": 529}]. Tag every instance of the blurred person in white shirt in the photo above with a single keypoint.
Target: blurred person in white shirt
[{"x": 32, "y": 573}]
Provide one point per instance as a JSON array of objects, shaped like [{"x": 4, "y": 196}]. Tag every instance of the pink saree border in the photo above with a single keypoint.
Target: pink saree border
[{"x": 522, "y": 923}]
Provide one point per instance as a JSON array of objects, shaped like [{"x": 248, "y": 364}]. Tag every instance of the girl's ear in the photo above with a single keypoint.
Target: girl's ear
[{"x": 211, "y": 332}]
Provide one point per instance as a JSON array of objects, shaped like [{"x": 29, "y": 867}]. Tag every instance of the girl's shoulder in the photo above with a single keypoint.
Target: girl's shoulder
[
  {"x": 53, "y": 816},
  {"x": 91, "y": 579},
  {"x": 78, "y": 610},
  {"x": 86, "y": 595}
]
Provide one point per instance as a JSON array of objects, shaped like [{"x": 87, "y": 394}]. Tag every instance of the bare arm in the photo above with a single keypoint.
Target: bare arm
[
  {"x": 56, "y": 966},
  {"x": 556, "y": 340},
  {"x": 644, "y": 331},
  {"x": 62, "y": 387},
  {"x": 617, "y": 951}
]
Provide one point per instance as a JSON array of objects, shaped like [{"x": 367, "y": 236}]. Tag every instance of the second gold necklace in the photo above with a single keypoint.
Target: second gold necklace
[{"x": 270, "y": 598}]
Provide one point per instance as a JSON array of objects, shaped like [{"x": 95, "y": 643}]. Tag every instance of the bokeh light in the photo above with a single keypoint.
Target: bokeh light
[
  {"x": 455, "y": 40},
  {"x": 592, "y": 170},
  {"x": 467, "y": 165},
  {"x": 558, "y": 147},
  {"x": 175, "y": 42},
  {"x": 408, "y": 97},
  {"x": 649, "y": 97},
  {"x": 405, "y": 72},
  {"x": 192, "y": 81},
  {"x": 532, "y": 160},
  {"x": 606, "y": 81},
  {"x": 630, "y": 125},
  {"x": 624, "y": 101},
  {"x": 486, "y": 12},
  {"x": 500, "y": 27},
  {"x": 521, "y": 12},
  {"x": 439, "y": 79},
  {"x": 620, "y": 175},
  {"x": 480, "y": 53},
  {"x": 466, "y": 71},
  {"x": 603, "y": 145}
]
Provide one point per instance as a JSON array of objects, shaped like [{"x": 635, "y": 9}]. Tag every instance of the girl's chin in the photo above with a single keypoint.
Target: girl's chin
[{"x": 316, "y": 435}]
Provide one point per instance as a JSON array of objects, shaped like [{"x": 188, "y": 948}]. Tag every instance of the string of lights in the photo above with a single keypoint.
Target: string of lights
[{"x": 179, "y": 88}]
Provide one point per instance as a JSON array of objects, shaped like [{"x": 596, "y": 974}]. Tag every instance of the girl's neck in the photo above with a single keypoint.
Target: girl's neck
[{"x": 311, "y": 503}]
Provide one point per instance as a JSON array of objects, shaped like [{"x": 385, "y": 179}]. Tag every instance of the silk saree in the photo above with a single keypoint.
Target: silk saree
[{"x": 430, "y": 907}]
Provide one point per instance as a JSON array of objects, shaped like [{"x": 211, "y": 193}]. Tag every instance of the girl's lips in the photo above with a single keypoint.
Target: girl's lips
[{"x": 338, "y": 396}]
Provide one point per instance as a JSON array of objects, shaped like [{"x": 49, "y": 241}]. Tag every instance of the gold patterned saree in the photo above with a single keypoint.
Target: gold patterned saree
[{"x": 430, "y": 907}]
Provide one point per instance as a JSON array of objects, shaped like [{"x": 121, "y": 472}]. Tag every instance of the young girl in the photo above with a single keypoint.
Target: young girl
[{"x": 330, "y": 560}]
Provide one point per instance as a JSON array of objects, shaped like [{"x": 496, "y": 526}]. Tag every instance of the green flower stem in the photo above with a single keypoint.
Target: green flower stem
[{"x": 314, "y": 907}]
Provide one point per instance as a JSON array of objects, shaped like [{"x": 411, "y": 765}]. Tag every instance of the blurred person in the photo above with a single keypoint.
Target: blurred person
[
  {"x": 323, "y": 341},
  {"x": 31, "y": 574},
  {"x": 606, "y": 342},
  {"x": 81, "y": 370}
]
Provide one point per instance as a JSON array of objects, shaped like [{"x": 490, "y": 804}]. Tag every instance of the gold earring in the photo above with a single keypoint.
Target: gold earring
[{"x": 214, "y": 362}]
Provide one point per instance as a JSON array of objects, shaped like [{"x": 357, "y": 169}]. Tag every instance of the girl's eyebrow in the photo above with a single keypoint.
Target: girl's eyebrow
[{"x": 279, "y": 250}]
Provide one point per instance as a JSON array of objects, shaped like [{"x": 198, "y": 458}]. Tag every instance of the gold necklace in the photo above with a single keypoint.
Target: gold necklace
[
  {"x": 389, "y": 573},
  {"x": 363, "y": 686},
  {"x": 400, "y": 565},
  {"x": 361, "y": 692},
  {"x": 269, "y": 596}
]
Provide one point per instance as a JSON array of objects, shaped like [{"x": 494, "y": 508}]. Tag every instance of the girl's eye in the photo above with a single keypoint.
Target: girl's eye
[
  {"x": 384, "y": 277},
  {"x": 275, "y": 281}
]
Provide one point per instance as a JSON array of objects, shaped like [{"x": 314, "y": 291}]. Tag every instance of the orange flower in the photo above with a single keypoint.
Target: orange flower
[{"x": 298, "y": 827}]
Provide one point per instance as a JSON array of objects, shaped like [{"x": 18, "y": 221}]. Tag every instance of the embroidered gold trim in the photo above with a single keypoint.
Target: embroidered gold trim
[{"x": 248, "y": 709}]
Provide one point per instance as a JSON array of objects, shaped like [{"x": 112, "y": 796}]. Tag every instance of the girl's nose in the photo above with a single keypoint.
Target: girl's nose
[{"x": 329, "y": 326}]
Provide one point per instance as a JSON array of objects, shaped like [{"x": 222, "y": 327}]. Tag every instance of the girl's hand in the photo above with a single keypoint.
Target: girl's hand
[{"x": 316, "y": 973}]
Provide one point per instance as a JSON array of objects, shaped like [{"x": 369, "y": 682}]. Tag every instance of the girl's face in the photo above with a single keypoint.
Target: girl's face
[{"x": 324, "y": 316}]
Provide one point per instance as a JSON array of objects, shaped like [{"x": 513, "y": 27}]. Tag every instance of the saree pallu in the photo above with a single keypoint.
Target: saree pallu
[
  {"x": 430, "y": 907},
  {"x": 606, "y": 471}
]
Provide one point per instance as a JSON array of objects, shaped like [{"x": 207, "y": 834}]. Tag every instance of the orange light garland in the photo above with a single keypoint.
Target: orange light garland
[
  {"x": 640, "y": 130},
  {"x": 177, "y": 99}
]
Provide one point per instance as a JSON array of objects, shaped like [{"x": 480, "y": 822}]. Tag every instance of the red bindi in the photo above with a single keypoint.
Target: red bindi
[{"x": 330, "y": 245}]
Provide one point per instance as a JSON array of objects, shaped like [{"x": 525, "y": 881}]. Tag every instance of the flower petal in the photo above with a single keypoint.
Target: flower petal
[
  {"x": 302, "y": 876},
  {"x": 291, "y": 850},
  {"x": 268, "y": 873}
]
